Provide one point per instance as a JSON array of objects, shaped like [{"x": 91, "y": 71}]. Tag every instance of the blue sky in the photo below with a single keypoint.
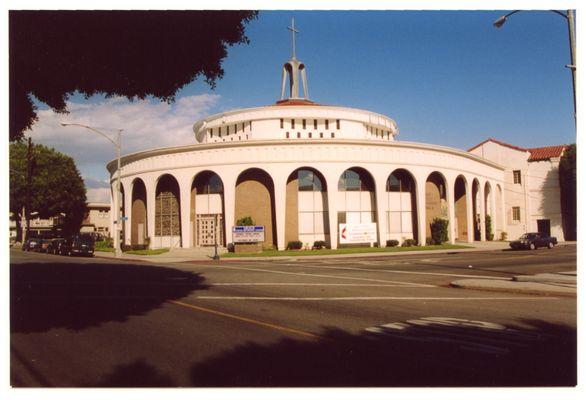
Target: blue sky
[{"x": 446, "y": 77}]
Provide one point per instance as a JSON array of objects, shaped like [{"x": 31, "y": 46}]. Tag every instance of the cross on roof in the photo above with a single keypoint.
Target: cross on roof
[{"x": 293, "y": 32}]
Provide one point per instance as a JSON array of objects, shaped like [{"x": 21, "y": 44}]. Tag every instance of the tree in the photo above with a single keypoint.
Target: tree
[
  {"x": 134, "y": 54},
  {"x": 567, "y": 171},
  {"x": 439, "y": 230},
  {"x": 57, "y": 189}
]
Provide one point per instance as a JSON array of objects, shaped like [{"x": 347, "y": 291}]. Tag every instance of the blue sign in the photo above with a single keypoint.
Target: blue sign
[{"x": 248, "y": 229}]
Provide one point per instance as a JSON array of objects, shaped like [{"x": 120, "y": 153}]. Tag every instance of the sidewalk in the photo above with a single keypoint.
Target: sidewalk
[
  {"x": 202, "y": 254},
  {"x": 549, "y": 284}
]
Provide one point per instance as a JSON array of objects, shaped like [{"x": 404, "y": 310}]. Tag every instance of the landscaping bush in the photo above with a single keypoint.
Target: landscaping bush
[
  {"x": 392, "y": 243},
  {"x": 409, "y": 243},
  {"x": 230, "y": 247},
  {"x": 439, "y": 230},
  {"x": 319, "y": 244},
  {"x": 488, "y": 225},
  {"x": 104, "y": 244},
  {"x": 429, "y": 241},
  {"x": 245, "y": 221},
  {"x": 504, "y": 236},
  {"x": 294, "y": 245}
]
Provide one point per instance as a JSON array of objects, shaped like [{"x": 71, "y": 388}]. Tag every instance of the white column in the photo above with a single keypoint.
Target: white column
[
  {"x": 280, "y": 187},
  {"x": 185, "y": 206},
  {"x": 481, "y": 207},
  {"x": 469, "y": 213},
  {"x": 229, "y": 183},
  {"x": 112, "y": 212},
  {"x": 332, "y": 187},
  {"x": 150, "y": 186},
  {"x": 127, "y": 211},
  {"x": 504, "y": 210},
  {"x": 493, "y": 209},
  {"x": 450, "y": 188},
  {"x": 421, "y": 212},
  {"x": 381, "y": 209}
]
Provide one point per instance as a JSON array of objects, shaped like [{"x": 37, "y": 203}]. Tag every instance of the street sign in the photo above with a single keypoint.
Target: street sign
[
  {"x": 248, "y": 234},
  {"x": 123, "y": 218}
]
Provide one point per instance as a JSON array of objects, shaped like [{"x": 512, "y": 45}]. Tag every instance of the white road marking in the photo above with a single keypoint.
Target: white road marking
[
  {"x": 310, "y": 284},
  {"x": 326, "y": 276},
  {"x": 417, "y": 273},
  {"x": 369, "y": 298}
]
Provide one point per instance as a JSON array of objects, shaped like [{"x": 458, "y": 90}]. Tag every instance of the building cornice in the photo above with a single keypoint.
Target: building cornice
[{"x": 127, "y": 159}]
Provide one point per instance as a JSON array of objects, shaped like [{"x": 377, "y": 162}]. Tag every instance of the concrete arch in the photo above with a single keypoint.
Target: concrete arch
[
  {"x": 138, "y": 213},
  {"x": 207, "y": 209},
  {"x": 435, "y": 199},
  {"x": 499, "y": 212},
  {"x": 489, "y": 226},
  {"x": 461, "y": 206},
  {"x": 401, "y": 206},
  {"x": 167, "y": 212},
  {"x": 476, "y": 208},
  {"x": 255, "y": 198},
  {"x": 306, "y": 207}
]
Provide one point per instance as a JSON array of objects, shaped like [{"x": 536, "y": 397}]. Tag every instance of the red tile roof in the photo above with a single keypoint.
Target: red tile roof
[
  {"x": 545, "y": 153},
  {"x": 535, "y": 154},
  {"x": 296, "y": 102}
]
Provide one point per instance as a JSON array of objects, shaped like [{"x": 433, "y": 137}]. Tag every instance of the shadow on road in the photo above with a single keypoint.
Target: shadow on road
[
  {"x": 417, "y": 356},
  {"x": 77, "y": 295}
]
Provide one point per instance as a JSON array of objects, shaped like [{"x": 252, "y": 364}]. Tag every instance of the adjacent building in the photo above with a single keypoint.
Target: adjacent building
[{"x": 97, "y": 219}]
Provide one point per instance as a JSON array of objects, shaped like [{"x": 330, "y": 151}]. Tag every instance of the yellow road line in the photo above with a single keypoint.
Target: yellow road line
[{"x": 249, "y": 320}]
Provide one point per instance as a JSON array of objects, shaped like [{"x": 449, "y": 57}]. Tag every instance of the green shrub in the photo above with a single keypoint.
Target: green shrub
[
  {"x": 392, "y": 243},
  {"x": 294, "y": 245},
  {"x": 245, "y": 221},
  {"x": 319, "y": 244},
  {"x": 488, "y": 225},
  {"x": 230, "y": 247},
  {"x": 439, "y": 230},
  {"x": 409, "y": 243},
  {"x": 107, "y": 243}
]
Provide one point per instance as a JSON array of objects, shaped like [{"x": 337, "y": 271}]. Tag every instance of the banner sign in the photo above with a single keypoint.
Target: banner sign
[
  {"x": 248, "y": 234},
  {"x": 358, "y": 233}
]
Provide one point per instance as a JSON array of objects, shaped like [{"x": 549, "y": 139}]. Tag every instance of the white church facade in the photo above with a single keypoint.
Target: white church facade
[{"x": 302, "y": 170}]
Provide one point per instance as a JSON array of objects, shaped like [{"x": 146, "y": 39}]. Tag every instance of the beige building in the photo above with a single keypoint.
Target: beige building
[
  {"x": 532, "y": 186},
  {"x": 97, "y": 219}
]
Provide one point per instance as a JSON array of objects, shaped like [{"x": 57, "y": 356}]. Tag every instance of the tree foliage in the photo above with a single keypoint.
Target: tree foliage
[
  {"x": 439, "y": 230},
  {"x": 56, "y": 186},
  {"x": 567, "y": 171},
  {"x": 119, "y": 53}
]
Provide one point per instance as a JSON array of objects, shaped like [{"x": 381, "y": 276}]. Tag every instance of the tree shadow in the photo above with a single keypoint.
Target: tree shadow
[
  {"x": 135, "y": 374},
  {"x": 78, "y": 295},
  {"x": 417, "y": 356}
]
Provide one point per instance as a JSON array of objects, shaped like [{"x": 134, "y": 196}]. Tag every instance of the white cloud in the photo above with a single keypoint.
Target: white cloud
[{"x": 146, "y": 124}]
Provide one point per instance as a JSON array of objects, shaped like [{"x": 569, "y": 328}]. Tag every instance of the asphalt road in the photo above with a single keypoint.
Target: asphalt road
[{"x": 389, "y": 321}]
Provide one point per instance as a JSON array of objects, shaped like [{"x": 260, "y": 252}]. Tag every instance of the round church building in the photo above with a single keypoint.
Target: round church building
[{"x": 305, "y": 172}]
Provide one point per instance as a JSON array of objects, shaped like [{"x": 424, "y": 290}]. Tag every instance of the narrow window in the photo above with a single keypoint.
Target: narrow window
[
  {"x": 246, "y": 137},
  {"x": 220, "y": 131},
  {"x": 287, "y": 135},
  {"x": 304, "y": 124},
  {"x": 516, "y": 213},
  {"x": 243, "y": 127},
  {"x": 235, "y": 128},
  {"x": 232, "y": 138},
  {"x": 298, "y": 135},
  {"x": 239, "y": 137},
  {"x": 315, "y": 124},
  {"x": 281, "y": 123},
  {"x": 517, "y": 176},
  {"x": 327, "y": 124},
  {"x": 211, "y": 131},
  {"x": 227, "y": 129},
  {"x": 333, "y": 134},
  {"x": 250, "y": 126},
  {"x": 337, "y": 124},
  {"x": 321, "y": 134},
  {"x": 309, "y": 135},
  {"x": 292, "y": 124}
]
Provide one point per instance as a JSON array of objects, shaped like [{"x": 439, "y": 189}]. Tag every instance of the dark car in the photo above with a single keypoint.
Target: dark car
[
  {"x": 31, "y": 244},
  {"x": 79, "y": 244},
  {"x": 533, "y": 241},
  {"x": 55, "y": 246}
]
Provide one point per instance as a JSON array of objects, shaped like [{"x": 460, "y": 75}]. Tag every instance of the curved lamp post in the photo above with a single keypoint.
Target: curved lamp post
[
  {"x": 117, "y": 221},
  {"x": 569, "y": 16}
]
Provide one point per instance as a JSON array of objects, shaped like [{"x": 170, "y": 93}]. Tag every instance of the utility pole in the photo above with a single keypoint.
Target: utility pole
[{"x": 29, "y": 178}]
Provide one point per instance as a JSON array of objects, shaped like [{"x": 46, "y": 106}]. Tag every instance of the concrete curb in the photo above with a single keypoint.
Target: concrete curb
[{"x": 535, "y": 288}]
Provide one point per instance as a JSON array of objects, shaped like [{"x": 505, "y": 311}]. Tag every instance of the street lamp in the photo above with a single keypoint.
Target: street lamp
[
  {"x": 569, "y": 16},
  {"x": 116, "y": 143}
]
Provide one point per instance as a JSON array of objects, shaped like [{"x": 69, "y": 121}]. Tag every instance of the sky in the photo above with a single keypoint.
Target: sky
[{"x": 446, "y": 77}]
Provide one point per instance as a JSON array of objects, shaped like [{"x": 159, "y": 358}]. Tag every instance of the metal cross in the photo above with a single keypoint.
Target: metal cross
[{"x": 293, "y": 32}]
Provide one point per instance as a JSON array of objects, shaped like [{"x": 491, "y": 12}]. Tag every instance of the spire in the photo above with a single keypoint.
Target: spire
[{"x": 293, "y": 69}]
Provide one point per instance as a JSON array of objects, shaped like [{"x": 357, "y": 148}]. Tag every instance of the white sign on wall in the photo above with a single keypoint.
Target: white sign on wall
[
  {"x": 248, "y": 234},
  {"x": 357, "y": 233}
]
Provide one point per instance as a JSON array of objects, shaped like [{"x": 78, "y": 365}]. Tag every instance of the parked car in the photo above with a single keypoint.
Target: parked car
[
  {"x": 55, "y": 246},
  {"x": 44, "y": 244},
  {"x": 533, "y": 240},
  {"x": 78, "y": 244},
  {"x": 31, "y": 244}
]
